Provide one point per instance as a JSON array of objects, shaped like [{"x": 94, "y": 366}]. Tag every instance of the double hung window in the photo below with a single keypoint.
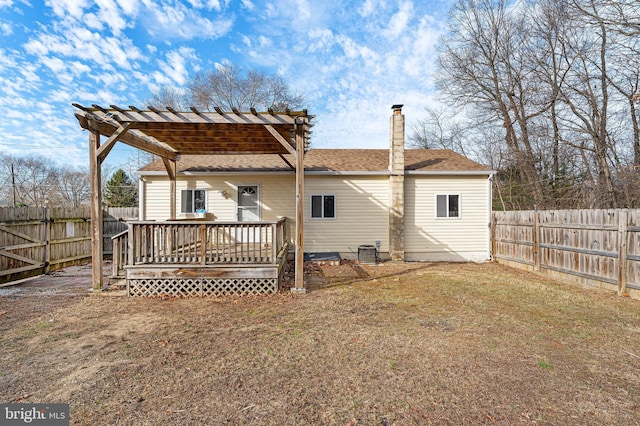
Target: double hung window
[
  {"x": 323, "y": 206},
  {"x": 448, "y": 205},
  {"x": 193, "y": 200}
]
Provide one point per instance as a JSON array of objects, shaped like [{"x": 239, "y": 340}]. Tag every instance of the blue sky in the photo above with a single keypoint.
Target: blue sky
[{"x": 351, "y": 60}]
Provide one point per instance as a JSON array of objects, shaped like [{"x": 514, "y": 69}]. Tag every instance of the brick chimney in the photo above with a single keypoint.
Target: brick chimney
[{"x": 396, "y": 185}]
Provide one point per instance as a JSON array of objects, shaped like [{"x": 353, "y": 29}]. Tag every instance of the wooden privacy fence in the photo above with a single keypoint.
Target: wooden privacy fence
[
  {"x": 36, "y": 240},
  {"x": 595, "y": 247},
  {"x": 114, "y": 222}
]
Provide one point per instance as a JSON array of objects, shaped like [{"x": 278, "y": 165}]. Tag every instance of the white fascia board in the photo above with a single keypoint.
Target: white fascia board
[
  {"x": 156, "y": 173},
  {"x": 292, "y": 172},
  {"x": 159, "y": 173},
  {"x": 345, "y": 173},
  {"x": 238, "y": 172},
  {"x": 326, "y": 173},
  {"x": 452, "y": 173}
]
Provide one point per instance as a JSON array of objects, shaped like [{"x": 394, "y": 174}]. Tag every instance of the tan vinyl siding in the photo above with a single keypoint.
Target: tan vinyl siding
[
  {"x": 277, "y": 196},
  {"x": 156, "y": 202},
  {"x": 362, "y": 213},
  {"x": 362, "y": 210},
  {"x": 361, "y": 205},
  {"x": 219, "y": 198},
  {"x": 431, "y": 238}
]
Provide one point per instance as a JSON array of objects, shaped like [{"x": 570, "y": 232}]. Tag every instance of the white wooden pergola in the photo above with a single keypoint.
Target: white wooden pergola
[{"x": 169, "y": 133}]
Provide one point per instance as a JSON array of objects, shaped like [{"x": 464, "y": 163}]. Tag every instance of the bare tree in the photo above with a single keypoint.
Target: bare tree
[
  {"x": 35, "y": 182},
  {"x": 446, "y": 129},
  {"x": 30, "y": 178},
  {"x": 73, "y": 188},
  {"x": 227, "y": 87},
  {"x": 485, "y": 67},
  {"x": 559, "y": 79},
  {"x": 169, "y": 96}
]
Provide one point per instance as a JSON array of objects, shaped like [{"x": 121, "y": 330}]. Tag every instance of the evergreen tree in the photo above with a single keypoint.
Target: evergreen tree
[{"x": 120, "y": 190}]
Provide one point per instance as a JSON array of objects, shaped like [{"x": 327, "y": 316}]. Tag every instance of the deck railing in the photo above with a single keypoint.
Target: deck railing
[
  {"x": 120, "y": 252},
  {"x": 197, "y": 242}
]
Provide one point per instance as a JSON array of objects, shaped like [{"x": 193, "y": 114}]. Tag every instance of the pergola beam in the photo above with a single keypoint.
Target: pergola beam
[
  {"x": 280, "y": 139},
  {"x": 105, "y": 148},
  {"x": 108, "y": 129}
]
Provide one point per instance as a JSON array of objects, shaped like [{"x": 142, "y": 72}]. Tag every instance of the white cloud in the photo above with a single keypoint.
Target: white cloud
[
  {"x": 162, "y": 79},
  {"x": 304, "y": 11},
  {"x": 6, "y": 3},
  {"x": 398, "y": 22},
  {"x": 179, "y": 22},
  {"x": 354, "y": 50},
  {"x": 270, "y": 10},
  {"x": 54, "y": 64},
  {"x": 209, "y": 4},
  {"x": 174, "y": 67},
  {"x": 7, "y": 60},
  {"x": 369, "y": 8},
  {"x": 111, "y": 15},
  {"x": 298, "y": 16},
  {"x": 422, "y": 48},
  {"x": 87, "y": 45},
  {"x": 214, "y": 4},
  {"x": 99, "y": 13},
  {"x": 6, "y": 28},
  {"x": 79, "y": 68},
  {"x": 320, "y": 40},
  {"x": 64, "y": 8},
  {"x": 30, "y": 74},
  {"x": 129, "y": 7},
  {"x": 247, "y": 4},
  {"x": 265, "y": 42},
  {"x": 92, "y": 21}
]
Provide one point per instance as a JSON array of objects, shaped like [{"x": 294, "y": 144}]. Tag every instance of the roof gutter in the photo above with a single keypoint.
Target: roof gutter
[
  {"x": 325, "y": 173},
  {"x": 453, "y": 173}
]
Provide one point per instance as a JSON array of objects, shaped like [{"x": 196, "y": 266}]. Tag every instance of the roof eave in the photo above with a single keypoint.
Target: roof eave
[
  {"x": 324, "y": 172},
  {"x": 451, "y": 172}
]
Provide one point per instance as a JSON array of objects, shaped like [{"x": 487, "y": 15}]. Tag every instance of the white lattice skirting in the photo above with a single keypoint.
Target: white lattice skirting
[{"x": 201, "y": 287}]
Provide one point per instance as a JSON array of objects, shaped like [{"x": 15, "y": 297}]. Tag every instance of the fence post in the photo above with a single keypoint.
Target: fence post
[
  {"x": 535, "y": 235},
  {"x": 494, "y": 244},
  {"x": 47, "y": 240},
  {"x": 622, "y": 251}
]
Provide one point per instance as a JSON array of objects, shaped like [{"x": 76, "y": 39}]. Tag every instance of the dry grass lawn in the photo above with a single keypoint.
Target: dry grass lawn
[{"x": 397, "y": 344}]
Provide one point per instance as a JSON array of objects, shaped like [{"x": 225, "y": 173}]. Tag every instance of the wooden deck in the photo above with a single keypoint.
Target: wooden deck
[{"x": 197, "y": 258}]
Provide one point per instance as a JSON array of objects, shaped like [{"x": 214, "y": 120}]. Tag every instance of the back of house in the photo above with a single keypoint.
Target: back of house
[{"x": 411, "y": 204}]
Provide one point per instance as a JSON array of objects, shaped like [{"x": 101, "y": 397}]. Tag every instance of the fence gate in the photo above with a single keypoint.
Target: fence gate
[{"x": 23, "y": 243}]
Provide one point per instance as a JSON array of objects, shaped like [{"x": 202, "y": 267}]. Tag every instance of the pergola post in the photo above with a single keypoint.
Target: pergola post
[
  {"x": 170, "y": 165},
  {"x": 299, "y": 256},
  {"x": 95, "y": 182}
]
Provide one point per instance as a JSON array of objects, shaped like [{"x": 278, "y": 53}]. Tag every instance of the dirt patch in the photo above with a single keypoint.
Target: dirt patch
[
  {"x": 318, "y": 275},
  {"x": 399, "y": 343}
]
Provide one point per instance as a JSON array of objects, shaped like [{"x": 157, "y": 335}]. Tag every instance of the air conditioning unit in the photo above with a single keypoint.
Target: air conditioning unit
[{"x": 367, "y": 254}]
